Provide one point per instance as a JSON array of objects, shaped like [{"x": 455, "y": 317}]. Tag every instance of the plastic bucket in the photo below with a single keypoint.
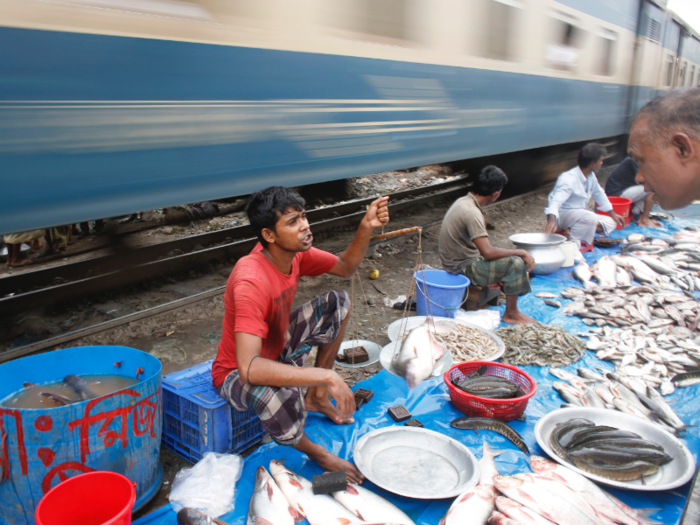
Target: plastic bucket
[
  {"x": 621, "y": 206},
  {"x": 445, "y": 292},
  {"x": 95, "y": 498}
]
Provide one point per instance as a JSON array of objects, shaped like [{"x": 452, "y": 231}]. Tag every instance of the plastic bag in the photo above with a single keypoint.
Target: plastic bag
[
  {"x": 209, "y": 486},
  {"x": 486, "y": 319}
]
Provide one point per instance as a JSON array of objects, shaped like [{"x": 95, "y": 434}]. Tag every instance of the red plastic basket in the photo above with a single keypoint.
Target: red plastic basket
[{"x": 475, "y": 406}]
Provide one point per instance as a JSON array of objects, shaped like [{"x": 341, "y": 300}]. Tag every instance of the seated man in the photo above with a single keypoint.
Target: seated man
[
  {"x": 260, "y": 363},
  {"x": 568, "y": 201},
  {"x": 622, "y": 183},
  {"x": 465, "y": 248}
]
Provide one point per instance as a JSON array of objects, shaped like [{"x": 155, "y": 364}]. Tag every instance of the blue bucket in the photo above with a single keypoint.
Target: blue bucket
[
  {"x": 445, "y": 292},
  {"x": 118, "y": 432}
]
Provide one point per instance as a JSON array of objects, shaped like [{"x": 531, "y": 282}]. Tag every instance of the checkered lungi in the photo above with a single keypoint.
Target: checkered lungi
[
  {"x": 509, "y": 270},
  {"x": 281, "y": 410}
]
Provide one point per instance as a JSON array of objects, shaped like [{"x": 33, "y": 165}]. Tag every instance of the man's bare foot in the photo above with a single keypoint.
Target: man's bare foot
[
  {"x": 518, "y": 318},
  {"x": 316, "y": 400},
  {"x": 24, "y": 262},
  {"x": 648, "y": 223},
  {"x": 332, "y": 463}
]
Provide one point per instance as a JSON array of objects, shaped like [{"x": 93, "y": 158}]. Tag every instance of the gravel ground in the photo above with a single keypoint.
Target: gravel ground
[{"x": 191, "y": 335}]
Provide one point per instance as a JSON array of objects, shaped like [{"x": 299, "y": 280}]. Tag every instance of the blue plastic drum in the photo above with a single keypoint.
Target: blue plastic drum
[
  {"x": 118, "y": 432},
  {"x": 444, "y": 291}
]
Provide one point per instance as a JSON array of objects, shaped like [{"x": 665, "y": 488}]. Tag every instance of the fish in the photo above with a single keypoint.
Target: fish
[
  {"x": 520, "y": 513},
  {"x": 552, "y": 302},
  {"x": 473, "y": 506},
  {"x": 80, "y": 386},
  {"x": 318, "y": 509},
  {"x": 268, "y": 506},
  {"x": 598, "y": 499},
  {"x": 622, "y": 277},
  {"x": 583, "y": 274},
  {"x": 686, "y": 379},
  {"x": 501, "y": 519},
  {"x": 487, "y": 464},
  {"x": 605, "y": 271},
  {"x": 487, "y": 423},
  {"x": 563, "y": 491},
  {"x": 544, "y": 502},
  {"x": 370, "y": 507},
  {"x": 58, "y": 398},
  {"x": 636, "y": 237},
  {"x": 190, "y": 516},
  {"x": 417, "y": 355},
  {"x": 546, "y": 295}
]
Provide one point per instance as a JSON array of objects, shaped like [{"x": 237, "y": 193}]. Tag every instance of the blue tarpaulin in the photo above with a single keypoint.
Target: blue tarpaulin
[{"x": 430, "y": 403}]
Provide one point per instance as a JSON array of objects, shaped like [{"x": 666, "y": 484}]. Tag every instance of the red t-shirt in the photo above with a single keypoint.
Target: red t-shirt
[{"x": 258, "y": 301}]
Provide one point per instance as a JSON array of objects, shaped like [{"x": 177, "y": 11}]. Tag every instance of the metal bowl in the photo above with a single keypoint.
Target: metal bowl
[
  {"x": 387, "y": 356},
  {"x": 672, "y": 475},
  {"x": 373, "y": 350},
  {"x": 544, "y": 248},
  {"x": 395, "y": 329},
  {"x": 416, "y": 462}
]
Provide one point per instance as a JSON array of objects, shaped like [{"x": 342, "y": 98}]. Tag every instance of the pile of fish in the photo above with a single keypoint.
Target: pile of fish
[
  {"x": 286, "y": 497},
  {"x": 540, "y": 345},
  {"x": 552, "y": 494},
  {"x": 492, "y": 387},
  {"x": 468, "y": 344},
  {"x": 607, "y": 451},
  {"x": 617, "y": 392},
  {"x": 661, "y": 357}
]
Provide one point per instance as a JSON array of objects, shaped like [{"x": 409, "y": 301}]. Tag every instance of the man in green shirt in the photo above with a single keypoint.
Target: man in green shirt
[{"x": 465, "y": 248}]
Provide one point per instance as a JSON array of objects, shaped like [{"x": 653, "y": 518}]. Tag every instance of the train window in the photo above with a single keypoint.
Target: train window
[
  {"x": 565, "y": 42},
  {"x": 670, "y": 65},
  {"x": 386, "y": 20},
  {"x": 498, "y": 31},
  {"x": 606, "y": 48},
  {"x": 692, "y": 76},
  {"x": 681, "y": 76}
]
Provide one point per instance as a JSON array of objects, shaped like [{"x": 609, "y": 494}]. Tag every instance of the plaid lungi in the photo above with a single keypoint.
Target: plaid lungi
[
  {"x": 281, "y": 410},
  {"x": 509, "y": 270}
]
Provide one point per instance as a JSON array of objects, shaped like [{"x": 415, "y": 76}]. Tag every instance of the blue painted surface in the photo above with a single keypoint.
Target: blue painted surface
[
  {"x": 120, "y": 432},
  {"x": 641, "y": 95},
  {"x": 277, "y": 118},
  {"x": 672, "y": 35},
  {"x": 622, "y": 13}
]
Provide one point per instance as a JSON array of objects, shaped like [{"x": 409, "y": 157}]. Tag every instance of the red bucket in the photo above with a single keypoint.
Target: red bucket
[
  {"x": 94, "y": 498},
  {"x": 621, "y": 206}
]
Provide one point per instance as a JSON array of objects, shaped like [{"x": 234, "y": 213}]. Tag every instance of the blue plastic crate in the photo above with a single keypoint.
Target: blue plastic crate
[{"x": 196, "y": 419}]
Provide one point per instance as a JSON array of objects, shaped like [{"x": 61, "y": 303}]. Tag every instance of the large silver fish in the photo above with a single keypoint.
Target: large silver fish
[
  {"x": 473, "y": 506},
  {"x": 520, "y": 513},
  {"x": 371, "y": 507},
  {"x": 544, "y": 502},
  {"x": 318, "y": 509},
  {"x": 583, "y": 274},
  {"x": 268, "y": 506},
  {"x": 419, "y": 352}
]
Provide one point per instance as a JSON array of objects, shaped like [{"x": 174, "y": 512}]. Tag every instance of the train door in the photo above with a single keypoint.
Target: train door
[
  {"x": 671, "y": 67},
  {"x": 648, "y": 55}
]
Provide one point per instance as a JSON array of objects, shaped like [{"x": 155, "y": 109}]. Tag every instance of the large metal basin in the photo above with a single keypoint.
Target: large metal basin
[{"x": 545, "y": 248}]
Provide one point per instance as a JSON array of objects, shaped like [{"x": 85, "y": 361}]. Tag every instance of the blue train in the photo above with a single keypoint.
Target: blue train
[{"x": 109, "y": 107}]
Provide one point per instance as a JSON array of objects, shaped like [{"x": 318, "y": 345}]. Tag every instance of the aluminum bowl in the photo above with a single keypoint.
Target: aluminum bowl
[
  {"x": 545, "y": 248},
  {"x": 672, "y": 475},
  {"x": 416, "y": 462}
]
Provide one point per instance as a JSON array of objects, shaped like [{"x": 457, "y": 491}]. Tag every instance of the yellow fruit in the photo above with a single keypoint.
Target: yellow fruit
[{"x": 374, "y": 274}]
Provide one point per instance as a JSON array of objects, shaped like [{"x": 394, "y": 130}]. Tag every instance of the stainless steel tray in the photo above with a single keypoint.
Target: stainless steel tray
[
  {"x": 387, "y": 355},
  {"x": 395, "y": 329},
  {"x": 672, "y": 475},
  {"x": 416, "y": 462},
  {"x": 373, "y": 350}
]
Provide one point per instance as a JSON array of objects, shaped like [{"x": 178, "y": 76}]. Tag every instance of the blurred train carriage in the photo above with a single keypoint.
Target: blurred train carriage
[{"x": 109, "y": 107}]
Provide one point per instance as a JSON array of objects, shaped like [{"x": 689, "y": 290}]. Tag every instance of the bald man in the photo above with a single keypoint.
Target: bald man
[{"x": 665, "y": 142}]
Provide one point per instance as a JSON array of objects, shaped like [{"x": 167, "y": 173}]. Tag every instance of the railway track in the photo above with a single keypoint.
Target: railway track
[{"x": 99, "y": 274}]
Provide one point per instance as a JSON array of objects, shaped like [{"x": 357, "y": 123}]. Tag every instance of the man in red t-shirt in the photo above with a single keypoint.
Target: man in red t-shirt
[{"x": 263, "y": 347}]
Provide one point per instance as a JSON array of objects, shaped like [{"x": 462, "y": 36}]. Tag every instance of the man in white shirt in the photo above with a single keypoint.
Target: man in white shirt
[{"x": 568, "y": 201}]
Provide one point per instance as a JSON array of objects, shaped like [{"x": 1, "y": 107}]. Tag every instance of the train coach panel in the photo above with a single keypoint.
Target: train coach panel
[{"x": 97, "y": 125}]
